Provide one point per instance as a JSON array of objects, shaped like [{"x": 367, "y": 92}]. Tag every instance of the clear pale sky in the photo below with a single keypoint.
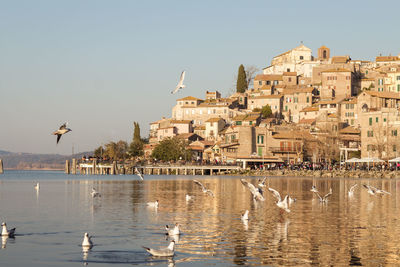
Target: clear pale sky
[{"x": 101, "y": 65}]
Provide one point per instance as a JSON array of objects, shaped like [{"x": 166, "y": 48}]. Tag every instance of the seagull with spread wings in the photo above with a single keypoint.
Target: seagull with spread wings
[
  {"x": 62, "y": 130},
  {"x": 204, "y": 189},
  {"x": 324, "y": 199},
  {"x": 283, "y": 204},
  {"x": 255, "y": 191},
  {"x": 180, "y": 84},
  {"x": 351, "y": 190},
  {"x": 139, "y": 173},
  {"x": 373, "y": 190}
]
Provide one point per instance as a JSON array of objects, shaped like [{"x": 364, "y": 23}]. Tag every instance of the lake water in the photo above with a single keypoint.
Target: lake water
[{"x": 363, "y": 230}]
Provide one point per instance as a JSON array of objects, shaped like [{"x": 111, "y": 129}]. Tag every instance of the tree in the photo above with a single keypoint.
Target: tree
[
  {"x": 98, "y": 152},
  {"x": 241, "y": 84},
  {"x": 266, "y": 111},
  {"x": 136, "y": 146},
  {"x": 171, "y": 149},
  {"x": 250, "y": 74}
]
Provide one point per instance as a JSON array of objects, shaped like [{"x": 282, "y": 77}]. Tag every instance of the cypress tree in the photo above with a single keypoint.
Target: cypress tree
[
  {"x": 241, "y": 84},
  {"x": 136, "y": 147}
]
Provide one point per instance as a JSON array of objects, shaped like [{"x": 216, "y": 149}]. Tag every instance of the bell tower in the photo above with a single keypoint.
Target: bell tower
[{"x": 323, "y": 53}]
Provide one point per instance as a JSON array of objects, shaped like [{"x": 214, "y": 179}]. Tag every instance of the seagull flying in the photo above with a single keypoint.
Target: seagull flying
[
  {"x": 139, "y": 173},
  {"x": 180, "y": 83},
  {"x": 373, "y": 190},
  {"x": 262, "y": 182},
  {"x": 314, "y": 189},
  {"x": 283, "y": 204},
  {"x": 325, "y": 198},
  {"x": 87, "y": 242},
  {"x": 351, "y": 190},
  {"x": 204, "y": 189},
  {"x": 7, "y": 232},
  {"x": 162, "y": 252},
  {"x": 94, "y": 193},
  {"x": 257, "y": 192},
  {"x": 174, "y": 231},
  {"x": 62, "y": 130}
]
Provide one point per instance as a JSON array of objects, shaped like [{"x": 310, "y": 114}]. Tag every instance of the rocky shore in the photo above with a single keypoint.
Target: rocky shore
[{"x": 324, "y": 173}]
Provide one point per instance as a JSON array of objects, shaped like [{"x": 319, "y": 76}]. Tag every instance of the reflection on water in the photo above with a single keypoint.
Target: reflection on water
[{"x": 357, "y": 229}]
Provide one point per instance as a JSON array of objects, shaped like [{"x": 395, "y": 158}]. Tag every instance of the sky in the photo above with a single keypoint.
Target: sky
[{"x": 102, "y": 65}]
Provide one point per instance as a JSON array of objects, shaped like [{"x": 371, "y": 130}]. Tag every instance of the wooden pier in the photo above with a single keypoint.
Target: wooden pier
[{"x": 95, "y": 168}]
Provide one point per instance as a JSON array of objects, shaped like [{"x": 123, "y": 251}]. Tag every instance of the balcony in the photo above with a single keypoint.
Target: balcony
[{"x": 283, "y": 150}]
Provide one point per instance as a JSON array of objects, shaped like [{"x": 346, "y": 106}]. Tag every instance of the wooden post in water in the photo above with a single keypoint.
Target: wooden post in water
[
  {"x": 73, "y": 167},
  {"x": 67, "y": 167},
  {"x": 1, "y": 166},
  {"x": 94, "y": 166},
  {"x": 114, "y": 167}
]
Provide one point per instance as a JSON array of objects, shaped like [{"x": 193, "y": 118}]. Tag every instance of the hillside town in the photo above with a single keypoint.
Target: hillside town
[{"x": 323, "y": 109}]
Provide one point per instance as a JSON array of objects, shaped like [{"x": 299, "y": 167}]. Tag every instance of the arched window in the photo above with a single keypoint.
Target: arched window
[
  {"x": 365, "y": 108},
  {"x": 324, "y": 54}
]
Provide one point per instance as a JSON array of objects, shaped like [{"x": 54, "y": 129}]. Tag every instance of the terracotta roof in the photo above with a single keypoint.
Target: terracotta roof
[
  {"x": 208, "y": 143},
  {"x": 216, "y": 119},
  {"x": 298, "y": 90},
  {"x": 336, "y": 70},
  {"x": 307, "y": 121},
  {"x": 384, "y": 94},
  {"x": 349, "y": 130},
  {"x": 185, "y": 135},
  {"x": 386, "y": 58},
  {"x": 181, "y": 121},
  {"x": 247, "y": 117},
  {"x": 349, "y": 101},
  {"x": 268, "y": 77},
  {"x": 340, "y": 59},
  {"x": 188, "y": 98},
  {"x": 267, "y": 97},
  {"x": 290, "y": 73},
  {"x": 292, "y": 135},
  {"x": 308, "y": 109}
]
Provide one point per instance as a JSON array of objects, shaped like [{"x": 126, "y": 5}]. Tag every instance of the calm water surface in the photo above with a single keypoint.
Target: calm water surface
[{"x": 363, "y": 230}]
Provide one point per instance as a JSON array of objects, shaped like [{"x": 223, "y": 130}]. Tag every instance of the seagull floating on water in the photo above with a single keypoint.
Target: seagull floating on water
[
  {"x": 94, "y": 193},
  {"x": 351, "y": 190},
  {"x": 314, "y": 189},
  {"x": 7, "y": 232},
  {"x": 188, "y": 198},
  {"x": 62, "y": 130},
  {"x": 139, "y": 173},
  {"x": 245, "y": 216},
  {"x": 174, "y": 231},
  {"x": 255, "y": 191},
  {"x": 283, "y": 204},
  {"x": 204, "y": 189},
  {"x": 373, "y": 190},
  {"x": 324, "y": 199},
  {"x": 87, "y": 242},
  {"x": 180, "y": 83},
  {"x": 153, "y": 204},
  {"x": 37, "y": 186},
  {"x": 162, "y": 252}
]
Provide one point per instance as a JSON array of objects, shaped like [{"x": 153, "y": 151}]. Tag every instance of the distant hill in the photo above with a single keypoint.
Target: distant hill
[{"x": 28, "y": 161}]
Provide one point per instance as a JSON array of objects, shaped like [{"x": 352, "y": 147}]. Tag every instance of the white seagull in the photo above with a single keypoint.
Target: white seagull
[
  {"x": 87, "y": 242},
  {"x": 314, "y": 189},
  {"x": 162, "y": 252},
  {"x": 139, "y": 173},
  {"x": 153, "y": 204},
  {"x": 351, "y": 190},
  {"x": 37, "y": 186},
  {"x": 324, "y": 199},
  {"x": 262, "y": 182},
  {"x": 62, "y": 130},
  {"x": 283, "y": 204},
  {"x": 373, "y": 190},
  {"x": 180, "y": 83},
  {"x": 174, "y": 231},
  {"x": 204, "y": 189},
  {"x": 188, "y": 198},
  {"x": 257, "y": 192},
  {"x": 94, "y": 193},
  {"x": 7, "y": 232},
  {"x": 245, "y": 216}
]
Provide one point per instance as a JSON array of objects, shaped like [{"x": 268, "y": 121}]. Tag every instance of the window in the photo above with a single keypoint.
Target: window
[
  {"x": 398, "y": 78},
  {"x": 260, "y": 139},
  {"x": 238, "y": 123},
  {"x": 384, "y": 119},
  {"x": 290, "y": 79},
  {"x": 250, "y": 122},
  {"x": 308, "y": 99},
  {"x": 370, "y": 133},
  {"x": 394, "y": 148},
  {"x": 398, "y": 87},
  {"x": 394, "y": 132},
  {"x": 286, "y": 108},
  {"x": 352, "y": 122},
  {"x": 380, "y": 81},
  {"x": 376, "y": 119},
  {"x": 301, "y": 57},
  {"x": 370, "y": 121},
  {"x": 201, "y": 112},
  {"x": 260, "y": 150},
  {"x": 259, "y": 82}
]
